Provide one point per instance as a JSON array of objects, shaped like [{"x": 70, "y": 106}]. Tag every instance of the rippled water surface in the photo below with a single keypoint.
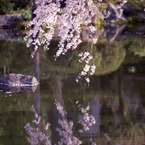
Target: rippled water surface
[{"x": 116, "y": 93}]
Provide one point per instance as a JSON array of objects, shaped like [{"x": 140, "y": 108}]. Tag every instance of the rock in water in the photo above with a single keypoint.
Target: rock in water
[
  {"x": 17, "y": 89},
  {"x": 18, "y": 80},
  {"x": 129, "y": 9}
]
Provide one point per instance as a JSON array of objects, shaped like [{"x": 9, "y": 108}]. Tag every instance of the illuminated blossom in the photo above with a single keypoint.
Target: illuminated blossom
[{"x": 68, "y": 21}]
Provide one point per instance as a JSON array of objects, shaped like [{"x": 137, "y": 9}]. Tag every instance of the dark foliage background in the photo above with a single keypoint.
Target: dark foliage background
[{"x": 13, "y": 6}]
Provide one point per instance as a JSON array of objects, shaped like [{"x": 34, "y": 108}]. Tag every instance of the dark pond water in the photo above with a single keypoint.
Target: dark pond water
[{"x": 116, "y": 93}]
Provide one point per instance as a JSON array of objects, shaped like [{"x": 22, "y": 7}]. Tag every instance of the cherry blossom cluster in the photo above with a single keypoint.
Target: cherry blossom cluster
[
  {"x": 119, "y": 8},
  {"x": 88, "y": 120},
  {"x": 43, "y": 25},
  {"x": 68, "y": 20},
  {"x": 88, "y": 69},
  {"x": 73, "y": 16}
]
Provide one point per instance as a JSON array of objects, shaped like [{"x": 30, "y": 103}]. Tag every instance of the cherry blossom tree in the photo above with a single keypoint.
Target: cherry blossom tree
[
  {"x": 67, "y": 17},
  {"x": 51, "y": 15}
]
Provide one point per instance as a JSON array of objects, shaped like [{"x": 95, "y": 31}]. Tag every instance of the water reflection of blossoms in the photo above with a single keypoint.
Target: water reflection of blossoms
[
  {"x": 65, "y": 130},
  {"x": 88, "y": 120},
  {"x": 37, "y": 136}
]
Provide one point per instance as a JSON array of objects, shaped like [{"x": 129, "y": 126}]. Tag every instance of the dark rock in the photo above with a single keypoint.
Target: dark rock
[
  {"x": 141, "y": 16},
  {"x": 113, "y": 31},
  {"x": 141, "y": 28},
  {"x": 112, "y": 14},
  {"x": 129, "y": 9},
  {"x": 18, "y": 80}
]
